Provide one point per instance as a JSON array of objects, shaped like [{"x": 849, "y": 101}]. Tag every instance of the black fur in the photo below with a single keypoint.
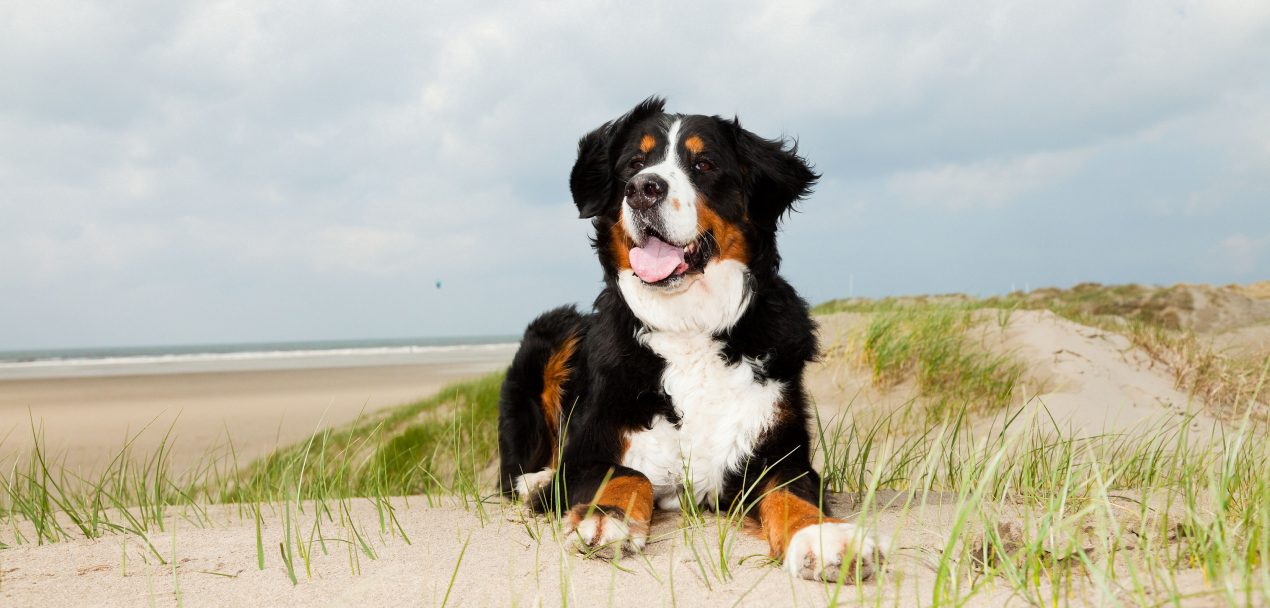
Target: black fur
[
  {"x": 521, "y": 423},
  {"x": 616, "y": 384}
]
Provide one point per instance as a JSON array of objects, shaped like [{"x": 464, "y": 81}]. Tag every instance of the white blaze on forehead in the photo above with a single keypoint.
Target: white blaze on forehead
[{"x": 677, "y": 215}]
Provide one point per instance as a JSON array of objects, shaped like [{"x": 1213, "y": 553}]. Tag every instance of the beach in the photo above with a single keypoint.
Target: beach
[
  {"x": 86, "y": 419},
  {"x": 974, "y": 504}
]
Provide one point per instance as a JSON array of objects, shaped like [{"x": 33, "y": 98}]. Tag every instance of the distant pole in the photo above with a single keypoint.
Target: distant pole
[{"x": 851, "y": 285}]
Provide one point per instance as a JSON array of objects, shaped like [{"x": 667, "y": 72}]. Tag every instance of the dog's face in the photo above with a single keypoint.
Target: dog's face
[{"x": 676, "y": 196}]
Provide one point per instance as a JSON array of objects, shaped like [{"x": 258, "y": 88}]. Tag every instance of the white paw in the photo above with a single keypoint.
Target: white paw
[
  {"x": 818, "y": 553},
  {"x": 604, "y": 535},
  {"x": 530, "y": 483}
]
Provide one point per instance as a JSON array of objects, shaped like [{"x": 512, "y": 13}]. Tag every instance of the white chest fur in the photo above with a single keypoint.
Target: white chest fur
[
  {"x": 723, "y": 410},
  {"x": 723, "y": 413}
]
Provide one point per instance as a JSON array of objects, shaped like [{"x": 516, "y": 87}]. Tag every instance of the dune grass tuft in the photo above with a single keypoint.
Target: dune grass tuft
[
  {"x": 930, "y": 343},
  {"x": 442, "y": 444}
]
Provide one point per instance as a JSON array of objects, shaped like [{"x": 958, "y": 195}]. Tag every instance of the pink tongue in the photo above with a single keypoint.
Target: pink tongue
[{"x": 656, "y": 260}]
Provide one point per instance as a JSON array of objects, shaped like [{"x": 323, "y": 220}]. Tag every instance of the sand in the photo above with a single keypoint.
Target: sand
[
  {"x": 504, "y": 557},
  {"x": 87, "y": 420},
  {"x": 1091, "y": 381}
]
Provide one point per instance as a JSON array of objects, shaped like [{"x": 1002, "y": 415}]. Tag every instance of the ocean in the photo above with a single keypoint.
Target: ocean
[{"x": 204, "y": 358}]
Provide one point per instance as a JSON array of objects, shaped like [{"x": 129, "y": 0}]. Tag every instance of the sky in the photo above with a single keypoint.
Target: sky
[{"x": 178, "y": 172}]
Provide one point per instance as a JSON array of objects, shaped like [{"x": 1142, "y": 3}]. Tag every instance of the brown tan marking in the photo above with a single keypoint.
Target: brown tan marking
[
  {"x": 727, "y": 236},
  {"x": 620, "y": 245},
  {"x": 554, "y": 375},
  {"x": 782, "y": 515},
  {"x": 694, "y": 144},
  {"x": 633, "y": 494},
  {"x": 646, "y": 143}
]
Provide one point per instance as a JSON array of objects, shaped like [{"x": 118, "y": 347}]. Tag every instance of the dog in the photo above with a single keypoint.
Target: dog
[{"x": 685, "y": 381}]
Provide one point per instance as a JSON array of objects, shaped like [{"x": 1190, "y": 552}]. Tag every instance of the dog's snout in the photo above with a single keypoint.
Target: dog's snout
[{"x": 644, "y": 191}]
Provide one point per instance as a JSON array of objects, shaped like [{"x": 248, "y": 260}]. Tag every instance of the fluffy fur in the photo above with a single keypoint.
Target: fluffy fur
[{"x": 690, "y": 386}]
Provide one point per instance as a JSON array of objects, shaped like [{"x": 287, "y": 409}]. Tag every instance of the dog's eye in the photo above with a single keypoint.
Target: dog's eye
[
  {"x": 703, "y": 166},
  {"x": 637, "y": 163}
]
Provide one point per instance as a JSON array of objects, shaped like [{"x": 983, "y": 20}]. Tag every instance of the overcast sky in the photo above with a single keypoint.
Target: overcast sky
[{"x": 257, "y": 170}]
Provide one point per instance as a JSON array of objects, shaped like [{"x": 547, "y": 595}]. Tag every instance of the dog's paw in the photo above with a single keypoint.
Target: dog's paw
[
  {"x": 818, "y": 553},
  {"x": 604, "y": 533},
  {"x": 531, "y": 483}
]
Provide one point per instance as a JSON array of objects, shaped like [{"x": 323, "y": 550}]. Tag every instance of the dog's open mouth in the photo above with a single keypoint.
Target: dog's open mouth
[{"x": 658, "y": 262}]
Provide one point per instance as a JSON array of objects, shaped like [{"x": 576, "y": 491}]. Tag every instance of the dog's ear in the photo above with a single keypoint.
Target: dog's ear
[
  {"x": 775, "y": 176},
  {"x": 592, "y": 180}
]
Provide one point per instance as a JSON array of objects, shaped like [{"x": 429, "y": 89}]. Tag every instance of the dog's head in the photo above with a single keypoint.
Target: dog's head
[{"x": 675, "y": 197}]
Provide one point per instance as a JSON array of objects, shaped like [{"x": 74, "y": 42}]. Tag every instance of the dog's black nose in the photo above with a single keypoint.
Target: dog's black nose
[{"x": 644, "y": 191}]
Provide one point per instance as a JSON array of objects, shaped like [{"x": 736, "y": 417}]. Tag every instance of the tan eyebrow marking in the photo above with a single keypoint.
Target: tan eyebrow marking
[
  {"x": 694, "y": 144},
  {"x": 646, "y": 143}
]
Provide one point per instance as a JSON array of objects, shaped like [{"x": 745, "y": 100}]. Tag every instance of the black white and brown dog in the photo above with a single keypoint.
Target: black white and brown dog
[{"x": 685, "y": 381}]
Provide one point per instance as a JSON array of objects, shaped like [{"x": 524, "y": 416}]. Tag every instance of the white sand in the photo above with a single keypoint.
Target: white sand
[{"x": 503, "y": 565}]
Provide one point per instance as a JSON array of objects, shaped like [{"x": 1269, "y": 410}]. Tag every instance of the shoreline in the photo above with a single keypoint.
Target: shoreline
[
  {"x": 246, "y": 360},
  {"x": 87, "y": 420}
]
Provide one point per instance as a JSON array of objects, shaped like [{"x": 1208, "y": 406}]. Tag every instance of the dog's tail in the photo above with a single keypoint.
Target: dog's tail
[{"x": 536, "y": 400}]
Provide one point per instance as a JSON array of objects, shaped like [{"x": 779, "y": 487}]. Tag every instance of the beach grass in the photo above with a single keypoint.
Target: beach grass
[
  {"x": 1115, "y": 515},
  {"x": 930, "y": 344},
  {"x": 1023, "y": 508},
  {"x": 442, "y": 444}
]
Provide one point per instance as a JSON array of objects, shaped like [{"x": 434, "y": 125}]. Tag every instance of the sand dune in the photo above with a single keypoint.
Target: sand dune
[{"x": 1092, "y": 381}]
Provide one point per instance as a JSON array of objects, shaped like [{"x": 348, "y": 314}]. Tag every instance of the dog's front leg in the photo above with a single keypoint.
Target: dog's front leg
[
  {"x": 611, "y": 514},
  {"x": 812, "y": 545}
]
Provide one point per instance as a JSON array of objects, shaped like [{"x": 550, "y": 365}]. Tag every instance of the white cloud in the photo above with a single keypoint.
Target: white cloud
[{"x": 986, "y": 184}]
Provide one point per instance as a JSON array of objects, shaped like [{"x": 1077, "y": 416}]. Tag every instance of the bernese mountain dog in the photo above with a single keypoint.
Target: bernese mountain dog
[{"x": 686, "y": 380}]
